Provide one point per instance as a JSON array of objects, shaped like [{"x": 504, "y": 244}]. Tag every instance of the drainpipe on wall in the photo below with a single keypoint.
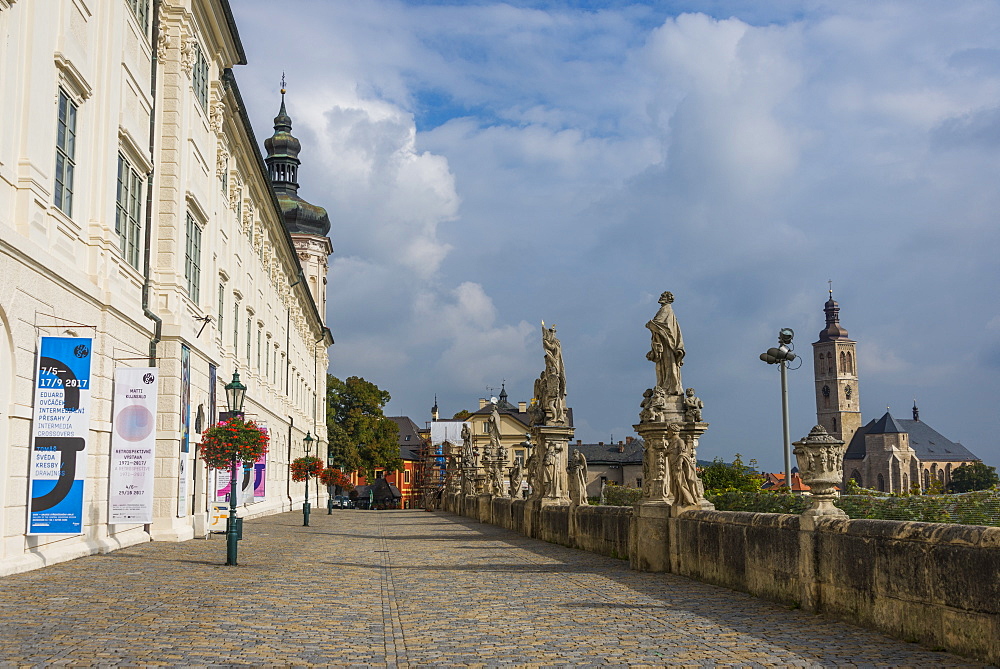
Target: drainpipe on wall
[
  {"x": 288, "y": 474},
  {"x": 154, "y": 63}
]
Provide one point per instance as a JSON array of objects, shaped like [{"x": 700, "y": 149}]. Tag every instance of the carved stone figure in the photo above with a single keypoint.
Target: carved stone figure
[
  {"x": 552, "y": 383},
  {"x": 653, "y": 406},
  {"x": 516, "y": 479},
  {"x": 684, "y": 482},
  {"x": 692, "y": 407},
  {"x": 578, "y": 478},
  {"x": 550, "y": 477},
  {"x": 534, "y": 482},
  {"x": 667, "y": 346}
]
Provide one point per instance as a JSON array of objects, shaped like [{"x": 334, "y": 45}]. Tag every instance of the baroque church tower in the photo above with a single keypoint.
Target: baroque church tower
[
  {"x": 307, "y": 223},
  {"x": 838, "y": 406}
]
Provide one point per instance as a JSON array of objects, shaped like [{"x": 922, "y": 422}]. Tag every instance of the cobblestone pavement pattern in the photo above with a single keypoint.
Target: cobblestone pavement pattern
[{"x": 405, "y": 588}]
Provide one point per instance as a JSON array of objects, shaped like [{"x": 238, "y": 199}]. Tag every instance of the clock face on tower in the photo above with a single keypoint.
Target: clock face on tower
[
  {"x": 847, "y": 391},
  {"x": 826, "y": 391}
]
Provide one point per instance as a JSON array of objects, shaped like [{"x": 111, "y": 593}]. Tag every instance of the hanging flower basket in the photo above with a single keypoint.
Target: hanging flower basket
[
  {"x": 243, "y": 439},
  {"x": 334, "y": 477},
  {"x": 304, "y": 467}
]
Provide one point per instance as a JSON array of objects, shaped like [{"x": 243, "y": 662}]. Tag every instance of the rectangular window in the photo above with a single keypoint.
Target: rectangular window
[
  {"x": 199, "y": 76},
  {"x": 128, "y": 211},
  {"x": 141, "y": 10},
  {"x": 236, "y": 327},
  {"x": 267, "y": 361},
  {"x": 249, "y": 330},
  {"x": 406, "y": 476},
  {"x": 192, "y": 259},
  {"x": 260, "y": 332},
  {"x": 222, "y": 306},
  {"x": 65, "y": 153}
]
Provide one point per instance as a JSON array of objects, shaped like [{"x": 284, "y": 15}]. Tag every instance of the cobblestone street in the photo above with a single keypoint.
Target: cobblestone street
[{"x": 405, "y": 588}]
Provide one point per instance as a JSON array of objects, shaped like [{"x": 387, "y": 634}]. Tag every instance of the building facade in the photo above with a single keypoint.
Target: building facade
[
  {"x": 888, "y": 454},
  {"x": 136, "y": 213}
]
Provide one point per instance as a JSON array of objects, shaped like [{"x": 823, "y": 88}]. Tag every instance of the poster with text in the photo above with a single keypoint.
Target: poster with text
[
  {"x": 60, "y": 431},
  {"x": 260, "y": 477},
  {"x": 133, "y": 445}
]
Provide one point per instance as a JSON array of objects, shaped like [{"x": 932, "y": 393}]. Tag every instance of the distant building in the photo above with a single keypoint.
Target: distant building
[
  {"x": 618, "y": 464},
  {"x": 888, "y": 454}
]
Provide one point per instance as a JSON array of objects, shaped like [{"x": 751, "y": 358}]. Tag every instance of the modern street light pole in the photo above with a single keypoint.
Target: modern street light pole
[
  {"x": 308, "y": 441},
  {"x": 235, "y": 395},
  {"x": 781, "y": 355}
]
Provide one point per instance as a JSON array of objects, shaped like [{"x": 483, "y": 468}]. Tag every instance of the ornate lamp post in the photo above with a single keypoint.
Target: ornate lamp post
[
  {"x": 308, "y": 441},
  {"x": 235, "y": 395}
]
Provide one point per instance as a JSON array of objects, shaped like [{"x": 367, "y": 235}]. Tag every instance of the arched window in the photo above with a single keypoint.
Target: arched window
[
  {"x": 850, "y": 363},
  {"x": 856, "y": 475},
  {"x": 927, "y": 479},
  {"x": 881, "y": 483},
  {"x": 843, "y": 362},
  {"x": 829, "y": 363},
  {"x": 906, "y": 483},
  {"x": 947, "y": 473},
  {"x": 834, "y": 423}
]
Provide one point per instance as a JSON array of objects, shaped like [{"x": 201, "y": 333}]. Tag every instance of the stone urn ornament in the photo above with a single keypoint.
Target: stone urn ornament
[{"x": 820, "y": 458}]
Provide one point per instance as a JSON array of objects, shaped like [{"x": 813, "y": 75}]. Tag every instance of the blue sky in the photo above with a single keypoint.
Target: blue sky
[{"x": 489, "y": 165}]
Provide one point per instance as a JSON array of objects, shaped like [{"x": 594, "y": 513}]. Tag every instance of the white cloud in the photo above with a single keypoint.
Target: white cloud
[{"x": 570, "y": 162}]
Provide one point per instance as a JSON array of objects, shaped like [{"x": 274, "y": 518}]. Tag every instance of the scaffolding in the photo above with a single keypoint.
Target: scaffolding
[{"x": 432, "y": 470}]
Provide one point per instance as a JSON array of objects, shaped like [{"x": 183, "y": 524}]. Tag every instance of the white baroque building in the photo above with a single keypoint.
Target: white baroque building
[{"x": 136, "y": 209}]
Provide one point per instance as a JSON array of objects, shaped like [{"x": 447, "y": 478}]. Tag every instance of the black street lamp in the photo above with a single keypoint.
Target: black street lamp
[
  {"x": 308, "y": 441},
  {"x": 781, "y": 355},
  {"x": 235, "y": 394}
]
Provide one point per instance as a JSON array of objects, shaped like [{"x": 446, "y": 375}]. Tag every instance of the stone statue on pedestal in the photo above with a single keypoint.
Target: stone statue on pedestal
[{"x": 667, "y": 347}]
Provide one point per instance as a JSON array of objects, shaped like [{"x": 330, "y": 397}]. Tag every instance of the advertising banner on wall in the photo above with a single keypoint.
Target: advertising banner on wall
[
  {"x": 260, "y": 476},
  {"x": 59, "y": 436},
  {"x": 133, "y": 446},
  {"x": 182, "y": 465}
]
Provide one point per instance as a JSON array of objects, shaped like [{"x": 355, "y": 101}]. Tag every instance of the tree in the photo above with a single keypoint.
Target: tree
[
  {"x": 721, "y": 475},
  {"x": 462, "y": 415},
  {"x": 361, "y": 437},
  {"x": 973, "y": 476}
]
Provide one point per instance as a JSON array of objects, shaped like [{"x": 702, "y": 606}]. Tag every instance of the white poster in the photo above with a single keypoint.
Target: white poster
[
  {"x": 59, "y": 436},
  {"x": 133, "y": 446}
]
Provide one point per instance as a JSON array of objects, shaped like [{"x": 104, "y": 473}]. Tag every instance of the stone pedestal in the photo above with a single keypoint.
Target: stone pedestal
[
  {"x": 552, "y": 449},
  {"x": 649, "y": 537},
  {"x": 655, "y": 476},
  {"x": 484, "y": 508}
]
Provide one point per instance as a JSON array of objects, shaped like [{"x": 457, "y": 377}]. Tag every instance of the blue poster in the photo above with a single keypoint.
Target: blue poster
[{"x": 59, "y": 436}]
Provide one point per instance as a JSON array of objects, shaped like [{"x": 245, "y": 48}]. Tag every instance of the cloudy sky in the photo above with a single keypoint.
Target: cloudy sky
[{"x": 489, "y": 165}]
